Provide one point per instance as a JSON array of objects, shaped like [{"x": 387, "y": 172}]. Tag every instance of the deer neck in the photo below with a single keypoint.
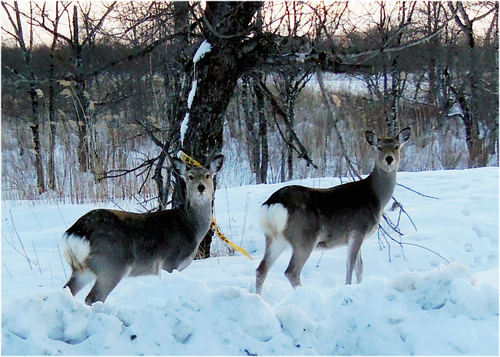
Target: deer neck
[
  {"x": 383, "y": 184},
  {"x": 199, "y": 214}
]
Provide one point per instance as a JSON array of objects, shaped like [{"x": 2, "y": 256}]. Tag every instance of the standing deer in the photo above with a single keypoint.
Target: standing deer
[
  {"x": 308, "y": 218},
  {"x": 108, "y": 245}
]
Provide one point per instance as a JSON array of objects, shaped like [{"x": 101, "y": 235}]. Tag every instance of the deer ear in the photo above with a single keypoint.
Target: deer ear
[
  {"x": 371, "y": 138},
  {"x": 216, "y": 164},
  {"x": 404, "y": 135},
  {"x": 179, "y": 166}
]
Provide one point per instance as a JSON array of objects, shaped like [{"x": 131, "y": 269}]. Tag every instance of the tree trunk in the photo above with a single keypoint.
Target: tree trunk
[
  {"x": 252, "y": 142},
  {"x": 290, "y": 118},
  {"x": 264, "y": 148},
  {"x": 81, "y": 100},
  {"x": 51, "y": 169},
  {"x": 225, "y": 28},
  {"x": 35, "y": 130},
  {"x": 477, "y": 157}
]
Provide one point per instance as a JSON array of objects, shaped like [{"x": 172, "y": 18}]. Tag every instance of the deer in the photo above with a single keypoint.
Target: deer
[
  {"x": 107, "y": 245},
  {"x": 324, "y": 218}
]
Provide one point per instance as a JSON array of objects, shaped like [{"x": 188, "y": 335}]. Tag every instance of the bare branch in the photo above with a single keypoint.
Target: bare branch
[
  {"x": 302, "y": 151},
  {"x": 333, "y": 119},
  {"x": 418, "y": 193},
  {"x": 100, "y": 24}
]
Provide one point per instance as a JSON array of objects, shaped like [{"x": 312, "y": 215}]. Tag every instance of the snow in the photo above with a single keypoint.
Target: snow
[
  {"x": 204, "y": 48},
  {"x": 341, "y": 83},
  {"x": 411, "y": 301},
  {"x": 455, "y": 109},
  {"x": 192, "y": 92},
  {"x": 184, "y": 126}
]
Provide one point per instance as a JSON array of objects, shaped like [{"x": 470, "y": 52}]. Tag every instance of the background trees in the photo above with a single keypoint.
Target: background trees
[{"x": 95, "y": 91}]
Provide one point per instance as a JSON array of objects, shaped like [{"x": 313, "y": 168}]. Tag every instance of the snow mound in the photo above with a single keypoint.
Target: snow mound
[{"x": 411, "y": 313}]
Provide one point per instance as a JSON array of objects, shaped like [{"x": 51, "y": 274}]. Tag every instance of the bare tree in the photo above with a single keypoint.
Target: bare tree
[
  {"x": 469, "y": 92},
  {"x": 60, "y": 9},
  {"x": 82, "y": 34},
  {"x": 26, "y": 44}
]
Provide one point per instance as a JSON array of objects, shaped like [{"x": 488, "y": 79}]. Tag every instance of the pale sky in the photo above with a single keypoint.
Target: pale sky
[{"x": 360, "y": 12}]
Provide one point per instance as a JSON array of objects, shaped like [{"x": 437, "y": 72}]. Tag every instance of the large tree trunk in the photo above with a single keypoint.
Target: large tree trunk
[{"x": 225, "y": 26}]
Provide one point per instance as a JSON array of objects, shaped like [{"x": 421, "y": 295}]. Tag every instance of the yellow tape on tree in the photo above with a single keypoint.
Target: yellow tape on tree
[
  {"x": 190, "y": 161},
  {"x": 187, "y": 159},
  {"x": 227, "y": 241}
]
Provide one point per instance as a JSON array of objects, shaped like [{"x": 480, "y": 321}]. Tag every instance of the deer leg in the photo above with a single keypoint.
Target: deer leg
[
  {"x": 274, "y": 248},
  {"x": 353, "y": 246},
  {"x": 109, "y": 271},
  {"x": 78, "y": 280},
  {"x": 104, "y": 284},
  {"x": 299, "y": 257},
  {"x": 358, "y": 267}
]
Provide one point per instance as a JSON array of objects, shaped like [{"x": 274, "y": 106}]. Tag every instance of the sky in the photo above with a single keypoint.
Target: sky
[{"x": 358, "y": 13}]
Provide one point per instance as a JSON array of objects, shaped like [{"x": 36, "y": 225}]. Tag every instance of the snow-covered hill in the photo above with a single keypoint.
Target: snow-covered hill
[{"x": 411, "y": 300}]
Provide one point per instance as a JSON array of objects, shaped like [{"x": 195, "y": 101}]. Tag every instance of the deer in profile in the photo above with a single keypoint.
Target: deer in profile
[
  {"x": 107, "y": 245},
  {"x": 308, "y": 218}
]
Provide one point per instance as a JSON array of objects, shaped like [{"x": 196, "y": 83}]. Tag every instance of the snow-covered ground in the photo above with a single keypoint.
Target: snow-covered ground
[{"x": 411, "y": 301}]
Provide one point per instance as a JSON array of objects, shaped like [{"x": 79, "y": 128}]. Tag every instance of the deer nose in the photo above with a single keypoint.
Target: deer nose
[
  {"x": 201, "y": 188},
  {"x": 389, "y": 160}
]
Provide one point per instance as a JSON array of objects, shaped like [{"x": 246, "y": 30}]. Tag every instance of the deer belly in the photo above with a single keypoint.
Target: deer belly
[
  {"x": 339, "y": 236},
  {"x": 330, "y": 242},
  {"x": 145, "y": 268}
]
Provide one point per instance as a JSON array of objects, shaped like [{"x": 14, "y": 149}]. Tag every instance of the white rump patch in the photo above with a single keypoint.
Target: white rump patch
[
  {"x": 273, "y": 219},
  {"x": 75, "y": 248}
]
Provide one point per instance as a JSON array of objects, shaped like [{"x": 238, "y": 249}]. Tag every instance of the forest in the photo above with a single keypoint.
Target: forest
[
  {"x": 94, "y": 94},
  {"x": 99, "y": 97}
]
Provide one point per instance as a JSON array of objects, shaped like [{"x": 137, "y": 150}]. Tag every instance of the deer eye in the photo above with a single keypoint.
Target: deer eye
[
  {"x": 396, "y": 147},
  {"x": 190, "y": 177},
  {"x": 207, "y": 176},
  {"x": 380, "y": 148}
]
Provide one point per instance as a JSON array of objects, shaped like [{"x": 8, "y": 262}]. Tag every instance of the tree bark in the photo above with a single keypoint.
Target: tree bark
[
  {"x": 264, "y": 148},
  {"x": 225, "y": 26},
  {"x": 35, "y": 130},
  {"x": 470, "y": 106}
]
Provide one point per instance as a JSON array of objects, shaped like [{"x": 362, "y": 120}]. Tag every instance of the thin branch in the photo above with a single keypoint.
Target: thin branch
[
  {"x": 385, "y": 49},
  {"x": 8, "y": 270},
  {"x": 122, "y": 172},
  {"x": 401, "y": 244},
  {"x": 17, "y": 250},
  {"x": 20, "y": 241},
  {"x": 302, "y": 151},
  {"x": 418, "y": 193},
  {"x": 333, "y": 119},
  {"x": 99, "y": 25},
  {"x": 395, "y": 205}
]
